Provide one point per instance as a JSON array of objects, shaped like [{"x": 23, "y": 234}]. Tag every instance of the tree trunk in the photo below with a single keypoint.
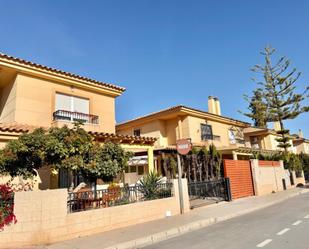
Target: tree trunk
[{"x": 283, "y": 135}]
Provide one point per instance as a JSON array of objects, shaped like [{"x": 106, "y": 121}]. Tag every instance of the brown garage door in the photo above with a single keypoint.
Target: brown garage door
[{"x": 239, "y": 172}]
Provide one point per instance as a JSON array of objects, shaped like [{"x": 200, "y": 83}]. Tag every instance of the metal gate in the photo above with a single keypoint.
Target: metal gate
[
  {"x": 207, "y": 192},
  {"x": 240, "y": 175}
]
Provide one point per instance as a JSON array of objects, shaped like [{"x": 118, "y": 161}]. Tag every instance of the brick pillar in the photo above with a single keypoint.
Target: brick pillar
[
  {"x": 185, "y": 193},
  {"x": 255, "y": 175}
]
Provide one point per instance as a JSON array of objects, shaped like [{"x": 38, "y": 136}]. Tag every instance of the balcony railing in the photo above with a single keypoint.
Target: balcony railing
[
  {"x": 210, "y": 137},
  {"x": 75, "y": 117},
  {"x": 240, "y": 141}
]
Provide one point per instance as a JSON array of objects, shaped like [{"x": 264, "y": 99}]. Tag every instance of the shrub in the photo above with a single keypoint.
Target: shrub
[
  {"x": 149, "y": 186},
  {"x": 7, "y": 215}
]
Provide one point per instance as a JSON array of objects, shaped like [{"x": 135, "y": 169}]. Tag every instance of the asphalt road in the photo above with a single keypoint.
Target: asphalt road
[{"x": 281, "y": 226}]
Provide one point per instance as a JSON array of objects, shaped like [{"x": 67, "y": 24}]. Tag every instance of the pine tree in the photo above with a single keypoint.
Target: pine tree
[
  {"x": 278, "y": 89},
  {"x": 257, "y": 108}
]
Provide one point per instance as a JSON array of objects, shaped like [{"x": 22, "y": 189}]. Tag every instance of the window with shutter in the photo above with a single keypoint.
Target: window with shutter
[
  {"x": 206, "y": 132},
  {"x": 72, "y": 108},
  {"x": 63, "y": 102},
  {"x": 80, "y": 105}
]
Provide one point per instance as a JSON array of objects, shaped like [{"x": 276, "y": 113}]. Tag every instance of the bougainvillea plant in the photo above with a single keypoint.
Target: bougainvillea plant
[{"x": 7, "y": 215}]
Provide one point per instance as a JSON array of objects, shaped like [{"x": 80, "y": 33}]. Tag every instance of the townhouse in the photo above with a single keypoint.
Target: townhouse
[
  {"x": 264, "y": 139},
  {"x": 300, "y": 144},
  {"x": 33, "y": 95},
  {"x": 235, "y": 139},
  {"x": 203, "y": 128}
]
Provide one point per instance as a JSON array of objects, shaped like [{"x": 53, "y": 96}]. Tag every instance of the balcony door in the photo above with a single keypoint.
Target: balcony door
[
  {"x": 71, "y": 108},
  {"x": 71, "y": 103}
]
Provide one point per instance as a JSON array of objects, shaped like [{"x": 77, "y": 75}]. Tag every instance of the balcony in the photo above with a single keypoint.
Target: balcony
[
  {"x": 240, "y": 141},
  {"x": 210, "y": 137},
  {"x": 62, "y": 115}
]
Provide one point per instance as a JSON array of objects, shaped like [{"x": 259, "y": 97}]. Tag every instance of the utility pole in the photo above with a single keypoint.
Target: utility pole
[{"x": 183, "y": 148}]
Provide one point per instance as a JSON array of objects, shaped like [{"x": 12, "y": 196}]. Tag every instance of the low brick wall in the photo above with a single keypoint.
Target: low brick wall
[
  {"x": 300, "y": 180},
  {"x": 42, "y": 217},
  {"x": 267, "y": 176}
]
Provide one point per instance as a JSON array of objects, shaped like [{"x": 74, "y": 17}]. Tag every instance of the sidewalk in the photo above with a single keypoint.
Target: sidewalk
[{"x": 151, "y": 232}]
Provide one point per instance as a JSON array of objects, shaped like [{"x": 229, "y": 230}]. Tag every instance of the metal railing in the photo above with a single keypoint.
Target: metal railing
[
  {"x": 210, "y": 137},
  {"x": 87, "y": 200},
  {"x": 216, "y": 138},
  {"x": 75, "y": 116},
  {"x": 219, "y": 189},
  {"x": 240, "y": 141}
]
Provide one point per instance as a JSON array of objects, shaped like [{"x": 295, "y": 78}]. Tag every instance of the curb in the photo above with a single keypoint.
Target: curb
[{"x": 177, "y": 231}]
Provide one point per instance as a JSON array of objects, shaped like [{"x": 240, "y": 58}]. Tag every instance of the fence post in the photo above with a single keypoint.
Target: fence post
[{"x": 228, "y": 189}]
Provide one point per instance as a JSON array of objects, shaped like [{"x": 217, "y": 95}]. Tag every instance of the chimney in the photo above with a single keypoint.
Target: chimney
[
  {"x": 300, "y": 133},
  {"x": 218, "y": 107},
  {"x": 277, "y": 126},
  {"x": 211, "y": 105}
]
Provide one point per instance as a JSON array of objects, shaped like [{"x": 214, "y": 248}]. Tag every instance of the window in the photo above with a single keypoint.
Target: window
[
  {"x": 206, "y": 132},
  {"x": 140, "y": 170},
  {"x": 71, "y": 103},
  {"x": 232, "y": 137},
  {"x": 72, "y": 108},
  {"x": 137, "y": 132},
  {"x": 133, "y": 169},
  {"x": 254, "y": 142},
  {"x": 236, "y": 136}
]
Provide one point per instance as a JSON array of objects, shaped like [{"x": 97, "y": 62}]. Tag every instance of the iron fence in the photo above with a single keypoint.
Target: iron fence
[
  {"x": 86, "y": 200},
  {"x": 75, "y": 116},
  {"x": 213, "y": 189}
]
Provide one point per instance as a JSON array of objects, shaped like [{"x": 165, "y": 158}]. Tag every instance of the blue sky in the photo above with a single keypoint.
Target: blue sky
[{"x": 164, "y": 52}]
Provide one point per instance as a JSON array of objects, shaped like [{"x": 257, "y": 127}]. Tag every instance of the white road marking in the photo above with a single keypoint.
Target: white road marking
[
  {"x": 264, "y": 243},
  {"x": 297, "y": 222},
  {"x": 283, "y": 231},
  {"x": 307, "y": 216}
]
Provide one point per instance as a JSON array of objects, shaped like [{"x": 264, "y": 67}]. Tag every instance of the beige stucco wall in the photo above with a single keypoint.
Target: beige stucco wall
[
  {"x": 168, "y": 131},
  {"x": 171, "y": 131},
  {"x": 272, "y": 144},
  {"x": 44, "y": 219},
  {"x": 299, "y": 180},
  {"x": 268, "y": 179},
  {"x": 35, "y": 103},
  {"x": 301, "y": 146},
  {"x": 260, "y": 141},
  {"x": 218, "y": 129},
  {"x": 164, "y": 130},
  {"x": 154, "y": 129},
  {"x": 8, "y": 102},
  {"x": 266, "y": 141}
]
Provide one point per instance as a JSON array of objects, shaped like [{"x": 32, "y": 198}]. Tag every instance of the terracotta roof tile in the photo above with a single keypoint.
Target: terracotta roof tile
[
  {"x": 123, "y": 137},
  {"x": 179, "y": 108},
  {"x": 54, "y": 70},
  {"x": 24, "y": 128},
  {"x": 16, "y": 127}
]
